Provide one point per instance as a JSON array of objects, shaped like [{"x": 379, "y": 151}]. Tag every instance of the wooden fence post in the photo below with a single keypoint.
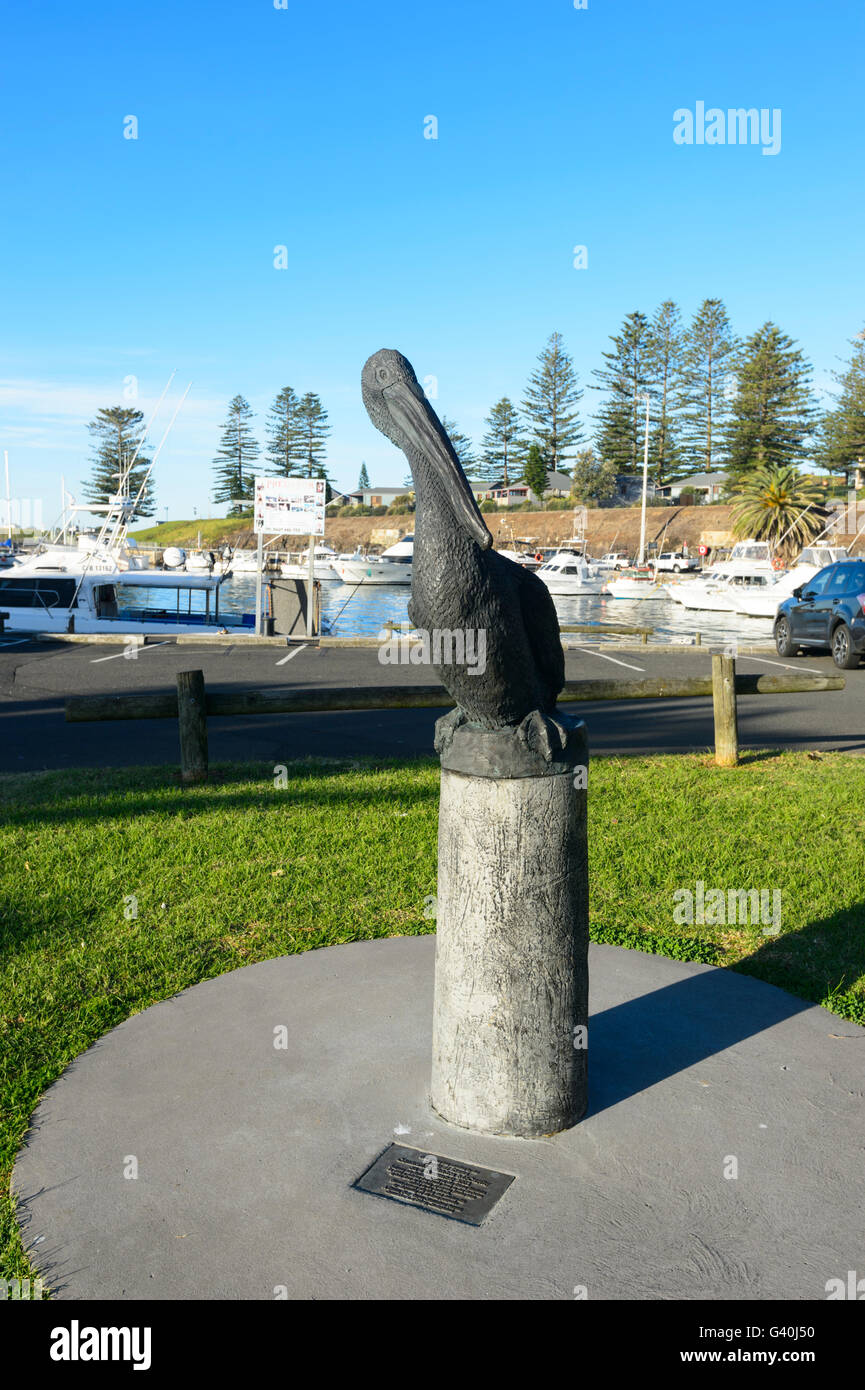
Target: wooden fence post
[
  {"x": 192, "y": 721},
  {"x": 726, "y": 721}
]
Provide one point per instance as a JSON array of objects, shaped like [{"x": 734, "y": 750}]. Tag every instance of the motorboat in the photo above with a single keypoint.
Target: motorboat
[
  {"x": 635, "y": 584},
  {"x": 568, "y": 574},
  {"x": 749, "y": 566},
  {"x": 371, "y": 569},
  {"x": 393, "y": 566},
  {"x": 297, "y": 566},
  {"x": 527, "y": 562},
  {"x": 401, "y": 554},
  {"x": 200, "y": 562},
  {"x": 716, "y": 592},
  {"x": 747, "y": 557},
  {"x": 47, "y": 599},
  {"x": 123, "y": 550},
  {"x": 762, "y": 600},
  {"x": 244, "y": 562}
]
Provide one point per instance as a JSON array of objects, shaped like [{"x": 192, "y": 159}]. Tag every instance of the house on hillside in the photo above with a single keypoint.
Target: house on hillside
[
  {"x": 512, "y": 495},
  {"x": 707, "y": 486},
  {"x": 558, "y": 485},
  {"x": 375, "y": 496}
]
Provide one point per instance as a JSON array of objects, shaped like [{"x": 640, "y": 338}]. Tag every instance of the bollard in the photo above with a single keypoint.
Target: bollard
[
  {"x": 511, "y": 973},
  {"x": 192, "y": 721},
  {"x": 726, "y": 720}
]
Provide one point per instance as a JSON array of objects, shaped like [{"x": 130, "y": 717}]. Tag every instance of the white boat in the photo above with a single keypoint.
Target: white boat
[
  {"x": 297, "y": 566},
  {"x": 200, "y": 562},
  {"x": 762, "y": 600},
  {"x": 528, "y": 562},
  {"x": 370, "y": 569},
  {"x": 569, "y": 575},
  {"x": 635, "y": 586},
  {"x": 244, "y": 562},
  {"x": 48, "y": 599},
  {"x": 402, "y": 553},
  {"x": 122, "y": 550},
  {"x": 393, "y": 566},
  {"x": 749, "y": 567}
]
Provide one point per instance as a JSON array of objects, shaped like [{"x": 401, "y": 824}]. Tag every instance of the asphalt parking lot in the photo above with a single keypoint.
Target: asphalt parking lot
[{"x": 36, "y": 677}]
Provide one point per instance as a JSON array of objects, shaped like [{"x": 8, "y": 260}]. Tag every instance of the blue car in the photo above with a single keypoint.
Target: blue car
[{"x": 826, "y": 611}]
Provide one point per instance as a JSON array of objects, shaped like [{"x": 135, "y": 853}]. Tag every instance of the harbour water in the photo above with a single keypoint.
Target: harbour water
[{"x": 361, "y": 612}]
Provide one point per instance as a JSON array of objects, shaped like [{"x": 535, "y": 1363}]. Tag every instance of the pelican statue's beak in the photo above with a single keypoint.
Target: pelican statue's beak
[{"x": 416, "y": 421}]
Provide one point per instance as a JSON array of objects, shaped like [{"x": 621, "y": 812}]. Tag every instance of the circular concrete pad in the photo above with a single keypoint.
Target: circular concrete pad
[{"x": 247, "y": 1152}]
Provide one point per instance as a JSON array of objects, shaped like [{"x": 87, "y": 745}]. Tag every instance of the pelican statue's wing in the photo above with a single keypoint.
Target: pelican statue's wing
[{"x": 541, "y": 623}]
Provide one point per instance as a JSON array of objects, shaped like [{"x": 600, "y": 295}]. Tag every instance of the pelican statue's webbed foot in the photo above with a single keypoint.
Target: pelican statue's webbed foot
[
  {"x": 542, "y": 734},
  {"x": 446, "y": 727}
]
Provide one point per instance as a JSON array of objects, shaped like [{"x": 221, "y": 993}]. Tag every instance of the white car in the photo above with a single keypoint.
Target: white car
[{"x": 613, "y": 560}]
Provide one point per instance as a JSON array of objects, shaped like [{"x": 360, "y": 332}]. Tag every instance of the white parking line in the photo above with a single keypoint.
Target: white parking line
[
  {"x": 16, "y": 642},
  {"x": 114, "y": 655},
  {"x": 294, "y": 652},
  {"x": 812, "y": 670},
  {"x": 575, "y": 646}
]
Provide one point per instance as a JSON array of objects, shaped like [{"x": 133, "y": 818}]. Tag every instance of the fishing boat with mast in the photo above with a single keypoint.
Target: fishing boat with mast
[{"x": 101, "y": 586}]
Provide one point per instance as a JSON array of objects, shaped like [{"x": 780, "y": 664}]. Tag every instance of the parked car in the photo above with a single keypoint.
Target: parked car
[
  {"x": 614, "y": 560},
  {"x": 674, "y": 561},
  {"x": 828, "y": 610}
]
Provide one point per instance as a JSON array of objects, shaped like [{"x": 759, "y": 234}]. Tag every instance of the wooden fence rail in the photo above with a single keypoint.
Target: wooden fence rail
[{"x": 191, "y": 704}]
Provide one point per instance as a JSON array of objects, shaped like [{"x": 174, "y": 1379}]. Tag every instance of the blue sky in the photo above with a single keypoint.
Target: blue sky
[{"x": 304, "y": 127}]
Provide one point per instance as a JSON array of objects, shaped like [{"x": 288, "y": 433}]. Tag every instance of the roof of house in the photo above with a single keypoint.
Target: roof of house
[
  {"x": 562, "y": 482},
  {"x": 359, "y": 491},
  {"x": 716, "y": 479}
]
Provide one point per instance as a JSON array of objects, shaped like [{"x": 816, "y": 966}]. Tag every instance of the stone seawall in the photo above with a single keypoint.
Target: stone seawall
[{"x": 606, "y": 528}]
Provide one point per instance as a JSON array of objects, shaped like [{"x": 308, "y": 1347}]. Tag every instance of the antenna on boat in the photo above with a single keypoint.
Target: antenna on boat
[
  {"x": 161, "y": 442},
  {"x": 795, "y": 522},
  {"x": 126, "y": 472}
]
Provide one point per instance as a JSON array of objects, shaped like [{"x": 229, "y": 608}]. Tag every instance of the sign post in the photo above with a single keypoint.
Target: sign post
[{"x": 289, "y": 507}]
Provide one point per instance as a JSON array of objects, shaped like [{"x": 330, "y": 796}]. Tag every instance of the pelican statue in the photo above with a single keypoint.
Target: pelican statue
[{"x": 460, "y": 584}]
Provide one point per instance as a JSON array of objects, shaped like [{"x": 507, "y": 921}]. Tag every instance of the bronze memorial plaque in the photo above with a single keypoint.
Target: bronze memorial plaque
[{"x": 461, "y": 1191}]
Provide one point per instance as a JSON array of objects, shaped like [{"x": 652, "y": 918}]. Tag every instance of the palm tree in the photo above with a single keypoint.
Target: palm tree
[{"x": 775, "y": 503}]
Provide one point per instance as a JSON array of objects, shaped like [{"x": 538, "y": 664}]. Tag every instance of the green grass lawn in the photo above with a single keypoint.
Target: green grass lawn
[
  {"x": 119, "y": 888},
  {"x": 214, "y": 530}
]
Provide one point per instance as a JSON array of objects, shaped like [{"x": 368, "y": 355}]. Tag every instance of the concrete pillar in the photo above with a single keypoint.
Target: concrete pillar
[{"x": 511, "y": 983}]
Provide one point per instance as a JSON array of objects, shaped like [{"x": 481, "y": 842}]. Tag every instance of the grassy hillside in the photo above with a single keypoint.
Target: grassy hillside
[{"x": 214, "y": 531}]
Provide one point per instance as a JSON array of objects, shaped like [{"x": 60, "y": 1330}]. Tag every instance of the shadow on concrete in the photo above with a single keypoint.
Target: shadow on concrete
[{"x": 639, "y": 1044}]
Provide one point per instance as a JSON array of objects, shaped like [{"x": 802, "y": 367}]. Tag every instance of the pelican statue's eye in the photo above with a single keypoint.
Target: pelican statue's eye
[{"x": 382, "y": 373}]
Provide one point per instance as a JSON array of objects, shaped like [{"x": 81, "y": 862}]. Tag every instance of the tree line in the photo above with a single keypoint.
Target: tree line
[
  {"x": 296, "y": 428},
  {"x": 715, "y": 402}
]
